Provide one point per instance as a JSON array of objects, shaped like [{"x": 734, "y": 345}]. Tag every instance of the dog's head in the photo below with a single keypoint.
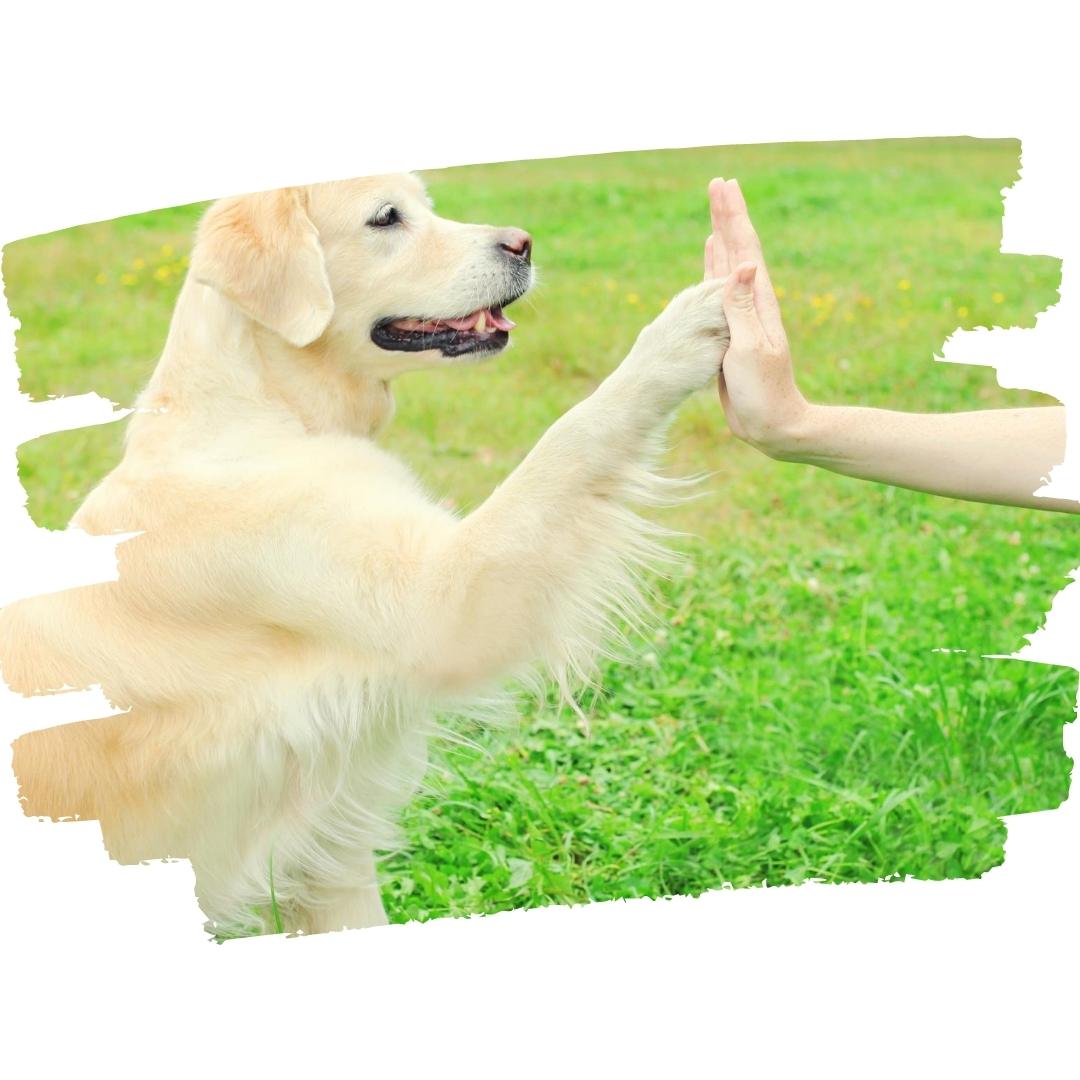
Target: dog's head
[{"x": 368, "y": 267}]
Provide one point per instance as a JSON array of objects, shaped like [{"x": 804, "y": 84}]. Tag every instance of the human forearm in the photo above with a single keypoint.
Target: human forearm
[{"x": 995, "y": 455}]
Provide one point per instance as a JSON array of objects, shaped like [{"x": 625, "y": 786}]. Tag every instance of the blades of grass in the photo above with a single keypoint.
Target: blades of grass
[{"x": 279, "y": 926}]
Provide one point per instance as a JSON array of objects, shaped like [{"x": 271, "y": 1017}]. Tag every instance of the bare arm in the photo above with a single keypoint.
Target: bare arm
[{"x": 996, "y": 455}]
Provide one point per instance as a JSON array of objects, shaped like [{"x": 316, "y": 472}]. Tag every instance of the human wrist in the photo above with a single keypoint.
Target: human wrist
[{"x": 795, "y": 432}]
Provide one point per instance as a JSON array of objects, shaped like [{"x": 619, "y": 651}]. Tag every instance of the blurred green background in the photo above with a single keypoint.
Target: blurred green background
[{"x": 795, "y": 717}]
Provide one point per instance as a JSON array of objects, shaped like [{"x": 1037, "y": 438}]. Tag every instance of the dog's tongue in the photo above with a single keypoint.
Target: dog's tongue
[
  {"x": 487, "y": 319},
  {"x": 496, "y": 318}
]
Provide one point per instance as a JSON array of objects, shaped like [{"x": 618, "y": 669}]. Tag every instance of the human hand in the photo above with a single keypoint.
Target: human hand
[{"x": 757, "y": 386}]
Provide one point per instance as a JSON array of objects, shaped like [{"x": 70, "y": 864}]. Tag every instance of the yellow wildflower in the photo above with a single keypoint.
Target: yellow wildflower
[
  {"x": 633, "y": 298},
  {"x": 138, "y": 264},
  {"x": 904, "y": 284},
  {"x": 998, "y": 298},
  {"x": 101, "y": 279},
  {"x": 162, "y": 273},
  {"x": 167, "y": 251},
  {"x": 963, "y": 312},
  {"x": 128, "y": 279}
]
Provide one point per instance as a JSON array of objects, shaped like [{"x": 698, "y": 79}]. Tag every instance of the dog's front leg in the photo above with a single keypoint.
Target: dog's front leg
[{"x": 540, "y": 570}]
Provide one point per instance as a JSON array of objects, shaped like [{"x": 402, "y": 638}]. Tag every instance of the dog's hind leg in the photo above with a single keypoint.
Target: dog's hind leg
[{"x": 352, "y": 907}]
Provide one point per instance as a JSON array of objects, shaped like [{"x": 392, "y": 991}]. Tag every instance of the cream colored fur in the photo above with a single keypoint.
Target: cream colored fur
[{"x": 296, "y": 611}]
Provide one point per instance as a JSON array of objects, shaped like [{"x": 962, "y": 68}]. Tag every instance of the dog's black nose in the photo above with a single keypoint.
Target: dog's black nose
[{"x": 516, "y": 242}]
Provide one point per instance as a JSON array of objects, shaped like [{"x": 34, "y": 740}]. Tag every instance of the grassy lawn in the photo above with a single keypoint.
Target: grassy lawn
[{"x": 796, "y": 717}]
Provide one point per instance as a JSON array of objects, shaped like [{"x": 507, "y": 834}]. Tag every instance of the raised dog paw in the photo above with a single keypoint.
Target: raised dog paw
[{"x": 681, "y": 350}]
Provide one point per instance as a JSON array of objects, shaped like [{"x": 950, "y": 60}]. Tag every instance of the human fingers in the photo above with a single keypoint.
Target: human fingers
[
  {"x": 721, "y": 258},
  {"x": 743, "y": 245}
]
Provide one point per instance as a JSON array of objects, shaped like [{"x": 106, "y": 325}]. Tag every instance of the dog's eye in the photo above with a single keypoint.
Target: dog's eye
[{"x": 386, "y": 216}]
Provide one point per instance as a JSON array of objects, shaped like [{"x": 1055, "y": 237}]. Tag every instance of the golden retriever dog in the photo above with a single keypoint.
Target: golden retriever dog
[{"x": 295, "y": 613}]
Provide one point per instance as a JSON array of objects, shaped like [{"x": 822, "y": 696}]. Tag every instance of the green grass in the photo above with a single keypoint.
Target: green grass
[{"x": 793, "y": 719}]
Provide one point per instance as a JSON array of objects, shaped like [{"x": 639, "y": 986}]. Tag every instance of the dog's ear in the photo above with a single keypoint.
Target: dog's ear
[{"x": 263, "y": 253}]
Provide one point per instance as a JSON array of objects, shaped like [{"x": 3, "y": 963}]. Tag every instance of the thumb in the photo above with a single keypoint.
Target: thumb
[{"x": 738, "y": 301}]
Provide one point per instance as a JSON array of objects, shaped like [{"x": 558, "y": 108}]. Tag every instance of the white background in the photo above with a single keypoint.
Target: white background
[{"x": 112, "y": 109}]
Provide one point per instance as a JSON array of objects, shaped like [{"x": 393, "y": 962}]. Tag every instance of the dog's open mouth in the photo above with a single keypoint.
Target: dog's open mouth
[{"x": 484, "y": 331}]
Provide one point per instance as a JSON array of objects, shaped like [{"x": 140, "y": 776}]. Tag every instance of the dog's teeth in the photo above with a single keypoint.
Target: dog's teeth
[{"x": 481, "y": 323}]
